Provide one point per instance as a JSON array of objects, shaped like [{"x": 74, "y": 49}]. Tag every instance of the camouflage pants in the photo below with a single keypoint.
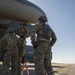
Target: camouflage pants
[
  {"x": 43, "y": 59},
  {"x": 10, "y": 61},
  {"x": 19, "y": 66},
  {"x": 20, "y": 56}
]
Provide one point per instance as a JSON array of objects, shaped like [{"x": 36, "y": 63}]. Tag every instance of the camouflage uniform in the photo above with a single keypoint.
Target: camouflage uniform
[
  {"x": 23, "y": 32},
  {"x": 8, "y": 45},
  {"x": 42, "y": 45}
]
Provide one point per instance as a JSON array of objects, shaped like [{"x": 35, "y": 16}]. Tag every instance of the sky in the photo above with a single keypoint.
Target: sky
[{"x": 61, "y": 18}]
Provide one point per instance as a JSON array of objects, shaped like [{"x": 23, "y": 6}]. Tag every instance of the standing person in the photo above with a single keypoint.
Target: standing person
[
  {"x": 45, "y": 39},
  {"x": 9, "y": 49},
  {"x": 23, "y": 33}
]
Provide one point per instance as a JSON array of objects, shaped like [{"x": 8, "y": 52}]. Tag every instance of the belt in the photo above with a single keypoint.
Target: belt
[{"x": 43, "y": 41}]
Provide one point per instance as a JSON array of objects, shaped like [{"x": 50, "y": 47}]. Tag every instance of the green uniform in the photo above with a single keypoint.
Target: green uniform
[
  {"x": 9, "y": 49},
  {"x": 43, "y": 54},
  {"x": 23, "y": 32}
]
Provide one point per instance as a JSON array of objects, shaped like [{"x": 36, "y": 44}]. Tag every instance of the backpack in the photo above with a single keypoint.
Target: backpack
[{"x": 47, "y": 31}]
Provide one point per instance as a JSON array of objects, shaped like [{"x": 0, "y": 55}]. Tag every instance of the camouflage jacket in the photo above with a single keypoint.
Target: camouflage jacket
[
  {"x": 23, "y": 31},
  {"x": 38, "y": 29},
  {"x": 9, "y": 42}
]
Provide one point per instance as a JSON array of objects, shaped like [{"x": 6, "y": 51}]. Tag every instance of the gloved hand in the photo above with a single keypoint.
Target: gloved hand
[
  {"x": 22, "y": 35},
  {"x": 34, "y": 44},
  {"x": 51, "y": 44}
]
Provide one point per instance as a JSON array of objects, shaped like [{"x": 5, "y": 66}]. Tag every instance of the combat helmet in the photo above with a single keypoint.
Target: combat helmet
[
  {"x": 43, "y": 18},
  {"x": 10, "y": 30},
  {"x": 24, "y": 22}
]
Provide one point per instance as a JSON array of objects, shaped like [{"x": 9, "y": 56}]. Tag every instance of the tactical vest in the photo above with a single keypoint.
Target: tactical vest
[
  {"x": 43, "y": 32},
  {"x": 48, "y": 31}
]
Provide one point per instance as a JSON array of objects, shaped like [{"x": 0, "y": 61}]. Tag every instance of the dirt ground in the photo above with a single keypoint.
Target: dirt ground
[{"x": 57, "y": 67}]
